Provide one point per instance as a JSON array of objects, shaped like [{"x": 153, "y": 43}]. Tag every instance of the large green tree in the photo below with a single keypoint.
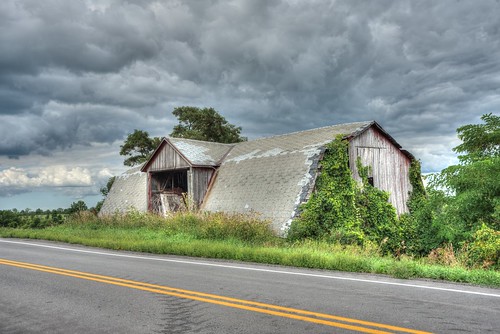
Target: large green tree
[
  {"x": 475, "y": 182},
  {"x": 194, "y": 123},
  {"x": 138, "y": 147},
  {"x": 205, "y": 124}
]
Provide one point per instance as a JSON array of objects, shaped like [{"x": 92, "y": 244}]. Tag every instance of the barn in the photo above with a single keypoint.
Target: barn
[{"x": 269, "y": 177}]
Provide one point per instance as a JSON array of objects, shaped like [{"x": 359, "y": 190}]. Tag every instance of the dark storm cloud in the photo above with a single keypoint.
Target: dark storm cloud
[
  {"x": 77, "y": 72},
  {"x": 68, "y": 34},
  {"x": 60, "y": 127}
]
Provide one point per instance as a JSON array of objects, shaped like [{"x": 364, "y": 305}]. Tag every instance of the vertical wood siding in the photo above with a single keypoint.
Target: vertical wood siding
[
  {"x": 200, "y": 177},
  {"x": 390, "y": 167},
  {"x": 167, "y": 159}
]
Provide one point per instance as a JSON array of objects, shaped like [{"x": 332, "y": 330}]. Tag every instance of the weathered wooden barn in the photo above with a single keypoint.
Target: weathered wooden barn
[
  {"x": 179, "y": 172},
  {"x": 270, "y": 176}
]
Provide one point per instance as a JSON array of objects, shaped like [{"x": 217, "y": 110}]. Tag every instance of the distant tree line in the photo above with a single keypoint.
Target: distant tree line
[
  {"x": 28, "y": 218},
  {"x": 39, "y": 218}
]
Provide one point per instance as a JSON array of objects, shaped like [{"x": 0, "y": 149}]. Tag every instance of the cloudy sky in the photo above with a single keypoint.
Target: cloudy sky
[{"x": 77, "y": 76}]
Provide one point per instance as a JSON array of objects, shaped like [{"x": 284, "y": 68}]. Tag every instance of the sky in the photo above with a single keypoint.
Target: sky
[{"x": 77, "y": 76}]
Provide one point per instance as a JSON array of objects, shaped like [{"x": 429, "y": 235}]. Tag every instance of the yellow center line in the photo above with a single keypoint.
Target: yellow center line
[{"x": 293, "y": 313}]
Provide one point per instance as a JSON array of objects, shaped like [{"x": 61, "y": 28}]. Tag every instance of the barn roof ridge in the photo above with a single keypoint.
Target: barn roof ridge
[
  {"x": 199, "y": 141},
  {"x": 366, "y": 124}
]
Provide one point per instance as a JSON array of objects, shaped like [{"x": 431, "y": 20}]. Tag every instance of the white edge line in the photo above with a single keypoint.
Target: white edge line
[{"x": 253, "y": 269}]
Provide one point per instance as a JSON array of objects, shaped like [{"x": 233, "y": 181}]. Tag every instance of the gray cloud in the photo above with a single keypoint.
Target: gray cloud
[{"x": 76, "y": 73}]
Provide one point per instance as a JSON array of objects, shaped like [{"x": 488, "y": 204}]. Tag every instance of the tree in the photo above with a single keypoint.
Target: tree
[
  {"x": 204, "y": 124},
  {"x": 194, "y": 123},
  {"x": 105, "y": 190},
  {"x": 479, "y": 141},
  {"x": 474, "y": 183},
  {"x": 77, "y": 207},
  {"x": 138, "y": 147}
]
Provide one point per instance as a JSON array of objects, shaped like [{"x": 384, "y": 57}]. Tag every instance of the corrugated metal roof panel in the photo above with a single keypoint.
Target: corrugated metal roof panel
[
  {"x": 129, "y": 192},
  {"x": 201, "y": 153}
]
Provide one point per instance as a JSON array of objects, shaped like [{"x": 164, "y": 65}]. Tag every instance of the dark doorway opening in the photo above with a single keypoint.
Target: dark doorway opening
[{"x": 168, "y": 191}]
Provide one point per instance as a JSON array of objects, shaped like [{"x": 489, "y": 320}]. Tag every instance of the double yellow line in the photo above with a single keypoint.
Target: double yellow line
[{"x": 280, "y": 311}]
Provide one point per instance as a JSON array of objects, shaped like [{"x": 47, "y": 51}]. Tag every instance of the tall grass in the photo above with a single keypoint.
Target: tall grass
[
  {"x": 236, "y": 237},
  {"x": 198, "y": 225}
]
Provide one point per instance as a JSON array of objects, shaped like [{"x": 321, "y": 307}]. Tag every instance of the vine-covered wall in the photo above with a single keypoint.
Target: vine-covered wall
[{"x": 345, "y": 211}]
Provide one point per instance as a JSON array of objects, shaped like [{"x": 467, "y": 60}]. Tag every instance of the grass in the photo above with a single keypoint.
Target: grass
[{"x": 230, "y": 237}]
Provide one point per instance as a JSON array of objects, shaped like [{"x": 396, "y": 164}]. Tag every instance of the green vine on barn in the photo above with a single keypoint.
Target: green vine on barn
[{"x": 343, "y": 211}]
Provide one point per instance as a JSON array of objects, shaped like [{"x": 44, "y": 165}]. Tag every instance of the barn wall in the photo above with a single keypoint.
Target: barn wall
[
  {"x": 167, "y": 159},
  {"x": 390, "y": 167},
  {"x": 198, "y": 181},
  {"x": 128, "y": 192}
]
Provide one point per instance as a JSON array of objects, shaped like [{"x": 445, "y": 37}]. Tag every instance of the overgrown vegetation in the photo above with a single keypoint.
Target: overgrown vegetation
[
  {"x": 456, "y": 220},
  {"x": 345, "y": 212},
  {"x": 331, "y": 214}
]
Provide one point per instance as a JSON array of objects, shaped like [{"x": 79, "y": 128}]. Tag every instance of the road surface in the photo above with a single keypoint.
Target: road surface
[{"x": 58, "y": 288}]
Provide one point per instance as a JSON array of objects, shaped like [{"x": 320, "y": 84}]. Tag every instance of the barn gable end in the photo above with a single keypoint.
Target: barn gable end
[
  {"x": 390, "y": 166},
  {"x": 179, "y": 172}
]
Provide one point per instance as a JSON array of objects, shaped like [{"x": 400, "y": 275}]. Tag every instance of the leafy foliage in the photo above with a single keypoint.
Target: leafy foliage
[
  {"x": 78, "y": 206},
  {"x": 425, "y": 227},
  {"x": 479, "y": 141},
  {"x": 484, "y": 250},
  {"x": 194, "y": 123},
  {"x": 331, "y": 212},
  {"x": 204, "y": 124},
  {"x": 474, "y": 184},
  {"x": 378, "y": 216},
  {"x": 105, "y": 190},
  {"x": 138, "y": 147},
  {"x": 461, "y": 204},
  {"x": 343, "y": 211}
]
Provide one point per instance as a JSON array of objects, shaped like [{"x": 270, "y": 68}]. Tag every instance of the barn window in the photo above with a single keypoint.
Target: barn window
[{"x": 370, "y": 180}]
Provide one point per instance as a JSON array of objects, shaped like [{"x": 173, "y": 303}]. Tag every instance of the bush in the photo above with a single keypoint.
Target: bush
[
  {"x": 9, "y": 219},
  {"x": 484, "y": 250},
  {"x": 444, "y": 256}
]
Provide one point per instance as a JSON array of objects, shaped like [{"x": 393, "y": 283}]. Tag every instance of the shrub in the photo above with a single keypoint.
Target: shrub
[
  {"x": 9, "y": 219},
  {"x": 444, "y": 255},
  {"x": 484, "y": 250}
]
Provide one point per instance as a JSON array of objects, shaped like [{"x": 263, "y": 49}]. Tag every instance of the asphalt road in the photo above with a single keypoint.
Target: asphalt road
[{"x": 57, "y": 288}]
